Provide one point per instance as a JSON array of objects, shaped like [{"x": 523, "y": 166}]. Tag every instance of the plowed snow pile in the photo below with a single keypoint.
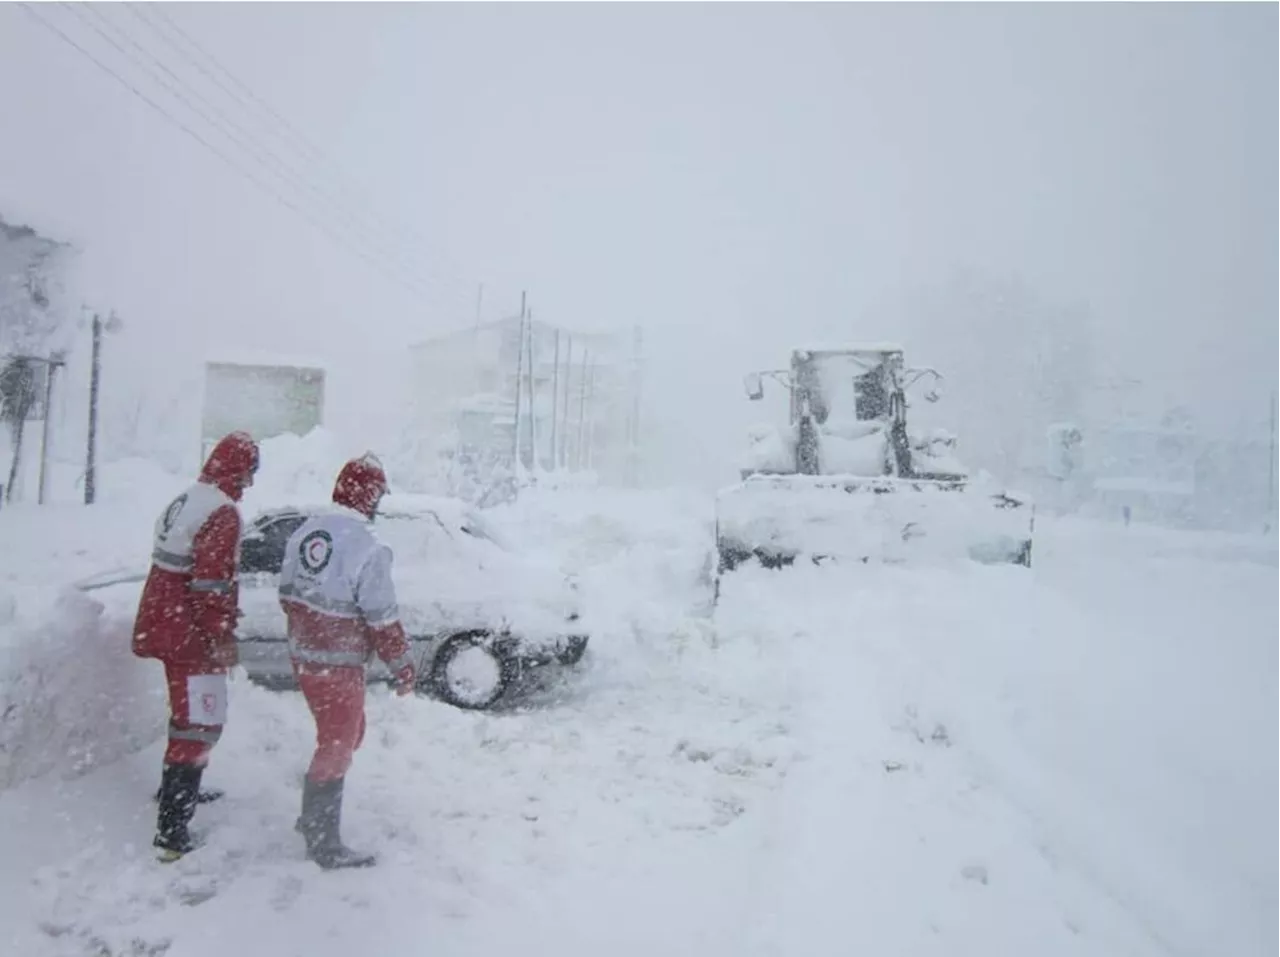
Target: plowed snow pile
[{"x": 953, "y": 760}]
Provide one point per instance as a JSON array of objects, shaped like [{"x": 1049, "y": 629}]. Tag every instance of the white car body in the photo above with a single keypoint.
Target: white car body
[{"x": 454, "y": 575}]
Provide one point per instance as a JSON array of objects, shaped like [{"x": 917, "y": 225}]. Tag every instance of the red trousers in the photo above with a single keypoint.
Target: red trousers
[
  {"x": 197, "y": 711},
  {"x": 336, "y": 699}
]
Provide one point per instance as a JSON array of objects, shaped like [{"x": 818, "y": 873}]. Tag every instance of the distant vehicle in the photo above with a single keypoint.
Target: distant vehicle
[
  {"x": 846, "y": 478},
  {"x": 479, "y": 614}
]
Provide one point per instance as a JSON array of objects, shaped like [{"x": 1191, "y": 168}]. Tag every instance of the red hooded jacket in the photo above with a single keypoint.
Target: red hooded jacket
[{"x": 189, "y": 605}]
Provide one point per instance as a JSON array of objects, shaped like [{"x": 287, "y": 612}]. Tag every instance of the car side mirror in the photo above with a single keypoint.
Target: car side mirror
[{"x": 754, "y": 384}]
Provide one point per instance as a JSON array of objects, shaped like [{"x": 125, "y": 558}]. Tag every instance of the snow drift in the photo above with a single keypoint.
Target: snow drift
[
  {"x": 72, "y": 696},
  {"x": 1079, "y": 758}
]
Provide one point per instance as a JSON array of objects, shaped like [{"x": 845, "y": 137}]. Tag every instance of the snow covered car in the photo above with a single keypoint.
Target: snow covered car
[{"x": 480, "y": 615}]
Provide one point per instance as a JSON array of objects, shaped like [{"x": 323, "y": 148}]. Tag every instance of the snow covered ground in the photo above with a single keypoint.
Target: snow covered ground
[{"x": 1079, "y": 759}]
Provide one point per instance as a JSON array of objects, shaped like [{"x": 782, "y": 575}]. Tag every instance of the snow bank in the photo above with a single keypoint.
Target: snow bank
[
  {"x": 1078, "y": 759},
  {"x": 293, "y": 467},
  {"x": 1145, "y": 543},
  {"x": 303, "y": 469},
  {"x": 72, "y": 695},
  {"x": 577, "y": 814}
]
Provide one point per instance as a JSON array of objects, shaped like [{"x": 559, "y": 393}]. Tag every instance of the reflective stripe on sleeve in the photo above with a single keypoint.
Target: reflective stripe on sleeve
[
  {"x": 214, "y": 585},
  {"x": 171, "y": 562}
]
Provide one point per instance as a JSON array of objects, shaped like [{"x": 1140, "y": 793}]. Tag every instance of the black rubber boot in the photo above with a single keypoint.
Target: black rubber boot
[
  {"x": 206, "y": 795},
  {"x": 179, "y": 789},
  {"x": 320, "y": 825}
]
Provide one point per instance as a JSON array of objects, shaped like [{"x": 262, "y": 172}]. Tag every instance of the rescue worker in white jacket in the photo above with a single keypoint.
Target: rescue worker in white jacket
[{"x": 337, "y": 593}]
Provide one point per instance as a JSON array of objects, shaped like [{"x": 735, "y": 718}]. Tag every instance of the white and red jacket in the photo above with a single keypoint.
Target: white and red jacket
[
  {"x": 188, "y": 609},
  {"x": 337, "y": 592}
]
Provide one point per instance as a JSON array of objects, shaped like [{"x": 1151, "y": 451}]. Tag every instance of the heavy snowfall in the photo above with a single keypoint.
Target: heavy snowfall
[{"x": 887, "y": 397}]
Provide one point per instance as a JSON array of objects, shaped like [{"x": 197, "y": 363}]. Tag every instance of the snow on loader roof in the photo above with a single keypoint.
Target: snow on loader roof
[{"x": 842, "y": 347}]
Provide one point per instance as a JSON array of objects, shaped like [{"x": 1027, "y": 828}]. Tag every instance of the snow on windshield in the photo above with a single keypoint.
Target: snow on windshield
[
  {"x": 836, "y": 384},
  {"x": 413, "y": 535}
]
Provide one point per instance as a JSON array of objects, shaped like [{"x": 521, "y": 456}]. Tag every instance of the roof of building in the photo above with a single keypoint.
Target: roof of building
[{"x": 253, "y": 358}]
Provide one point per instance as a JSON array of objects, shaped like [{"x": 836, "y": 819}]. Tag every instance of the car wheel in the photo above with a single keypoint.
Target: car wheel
[
  {"x": 469, "y": 673},
  {"x": 575, "y": 646}
]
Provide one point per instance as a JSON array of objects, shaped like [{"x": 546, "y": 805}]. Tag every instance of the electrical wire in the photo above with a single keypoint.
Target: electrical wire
[
  {"x": 164, "y": 26},
  {"x": 266, "y": 159},
  {"x": 408, "y": 284},
  {"x": 388, "y": 246}
]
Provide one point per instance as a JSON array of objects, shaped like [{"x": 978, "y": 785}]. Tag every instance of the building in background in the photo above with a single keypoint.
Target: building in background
[
  {"x": 265, "y": 398},
  {"x": 527, "y": 391},
  {"x": 1165, "y": 470}
]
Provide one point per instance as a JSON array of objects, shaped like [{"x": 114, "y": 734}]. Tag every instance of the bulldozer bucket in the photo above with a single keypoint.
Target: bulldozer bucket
[{"x": 778, "y": 520}]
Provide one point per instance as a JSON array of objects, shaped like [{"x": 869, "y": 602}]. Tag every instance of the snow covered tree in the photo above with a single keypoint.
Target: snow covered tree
[{"x": 33, "y": 322}]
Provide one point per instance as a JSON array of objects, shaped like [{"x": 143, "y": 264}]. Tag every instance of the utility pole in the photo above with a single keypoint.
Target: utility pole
[
  {"x": 1272, "y": 505},
  {"x": 580, "y": 451},
  {"x": 515, "y": 439},
  {"x": 475, "y": 339},
  {"x": 564, "y": 412},
  {"x": 555, "y": 405},
  {"x": 590, "y": 417},
  {"x": 533, "y": 401},
  {"x": 633, "y": 450},
  {"x": 91, "y": 446},
  {"x": 50, "y": 365}
]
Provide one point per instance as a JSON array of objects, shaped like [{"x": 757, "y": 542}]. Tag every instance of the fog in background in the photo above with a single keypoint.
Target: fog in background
[{"x": 1028, "y": 196}]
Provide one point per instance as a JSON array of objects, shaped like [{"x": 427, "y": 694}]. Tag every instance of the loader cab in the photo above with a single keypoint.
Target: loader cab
[{"x": 862, "y": 383}]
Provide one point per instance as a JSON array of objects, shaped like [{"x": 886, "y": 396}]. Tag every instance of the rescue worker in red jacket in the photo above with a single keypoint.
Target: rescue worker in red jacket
[
  {"x": 337, "y": 593},
  {"x": 186, "y": 618}
]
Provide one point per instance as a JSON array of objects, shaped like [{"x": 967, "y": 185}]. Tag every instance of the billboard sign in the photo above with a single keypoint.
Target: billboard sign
[{"x": 262, "y": 400}]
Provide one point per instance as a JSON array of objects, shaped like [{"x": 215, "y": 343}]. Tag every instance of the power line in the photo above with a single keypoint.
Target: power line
[
  {"x": 306, "y": 145},
  {"x": 264, "y": 157},
  {"x": 169, "y": 117},
  {"x": 138, "y": 11},
  {"x": 366, "y": 219}
]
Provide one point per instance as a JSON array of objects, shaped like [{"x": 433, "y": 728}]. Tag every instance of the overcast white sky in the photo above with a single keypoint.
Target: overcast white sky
[{"x": 735, "y": 177}]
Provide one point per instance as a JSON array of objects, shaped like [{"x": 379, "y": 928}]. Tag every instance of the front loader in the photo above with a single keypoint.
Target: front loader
[{"x": 848, "y": 480}]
